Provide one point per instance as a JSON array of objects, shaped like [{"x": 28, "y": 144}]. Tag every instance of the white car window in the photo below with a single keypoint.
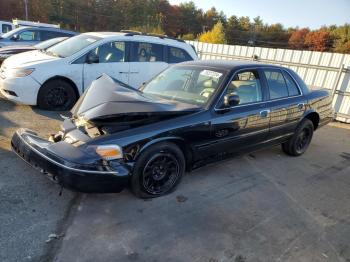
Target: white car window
[
  {"x": 178, "y": 55},
  {"x": 112, "y": 52},
  {"x": 147, "y": 52}
]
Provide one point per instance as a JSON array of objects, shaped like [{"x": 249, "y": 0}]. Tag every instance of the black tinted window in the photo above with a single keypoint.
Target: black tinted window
[
  {"x": 246, "y": 85},
  {"x": 277, "y": 85},
  {"x": 177, "y": 55},
  {"x": 147, "y": 52},
  {"x": 293, "y": 89},
  {"x": 6, "y": 28},
  {"x": 111, "y": 52},
  {"x": 46, "y": 35}
]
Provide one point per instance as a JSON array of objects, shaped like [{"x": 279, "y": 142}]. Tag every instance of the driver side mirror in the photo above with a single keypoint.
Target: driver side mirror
[
  {"x": 92, "y": 58},
  {"x": 15, "y": 37},
  {"x": 231, "y": 100}
]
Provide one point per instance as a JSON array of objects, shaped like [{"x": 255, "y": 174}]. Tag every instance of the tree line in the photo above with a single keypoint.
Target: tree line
[{"x": 185, "y": 21}]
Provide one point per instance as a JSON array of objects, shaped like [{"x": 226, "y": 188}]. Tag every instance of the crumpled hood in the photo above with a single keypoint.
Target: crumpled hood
[
  {"x": 26, "y": 59},
  {"x": 107, "y": 98}
]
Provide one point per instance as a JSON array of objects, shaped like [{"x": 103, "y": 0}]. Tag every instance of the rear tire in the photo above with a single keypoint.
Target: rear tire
[
  {"x": 300, "y": 141},
  {"x": 56, "y": 95},
  {"x": 158, "y": 170}
]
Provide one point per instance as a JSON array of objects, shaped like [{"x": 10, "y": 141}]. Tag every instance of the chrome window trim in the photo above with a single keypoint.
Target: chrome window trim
[{"x": 259, "y": 102}]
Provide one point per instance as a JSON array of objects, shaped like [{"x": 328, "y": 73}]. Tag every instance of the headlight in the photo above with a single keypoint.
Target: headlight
[
  {"x": 19, "y": 72},
  {"x": 110, "y": 152}
]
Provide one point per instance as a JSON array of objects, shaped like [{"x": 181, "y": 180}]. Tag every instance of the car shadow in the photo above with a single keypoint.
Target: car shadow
[
  {"x": 50, "y": 114},
  {"x": 6, "y": 123}
]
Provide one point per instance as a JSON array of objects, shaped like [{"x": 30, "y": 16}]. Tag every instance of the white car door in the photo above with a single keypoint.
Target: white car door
[
  {"x": 146, "y": 61},
  {"x": 108, "y": 58}
]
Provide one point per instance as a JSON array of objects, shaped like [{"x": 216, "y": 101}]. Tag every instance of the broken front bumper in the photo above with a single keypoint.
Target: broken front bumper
[{"x": 45, "y": 156}]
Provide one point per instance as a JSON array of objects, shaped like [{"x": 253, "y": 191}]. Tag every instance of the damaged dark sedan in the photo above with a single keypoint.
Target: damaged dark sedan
[{"x": 189, "y": 115}]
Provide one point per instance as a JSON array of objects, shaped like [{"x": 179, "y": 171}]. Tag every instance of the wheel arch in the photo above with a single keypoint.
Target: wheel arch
[
  {"x": 180, "y": 142},
  {"x": 314, "y": 117},
  {"x": 66, "y": 79}
]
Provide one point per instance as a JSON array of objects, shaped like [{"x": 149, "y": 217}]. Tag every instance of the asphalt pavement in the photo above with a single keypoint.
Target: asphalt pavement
[{"x": 264, "y": 206}]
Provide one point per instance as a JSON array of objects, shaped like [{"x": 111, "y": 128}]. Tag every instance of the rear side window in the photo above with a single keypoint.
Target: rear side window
[
  {"x": 46, "y": 35},
  {"x": 147, "y": 52},
  {"x": 293, "y": 89},
  {"x": 277, "y": 84},
  {"x": 177, "y": 55},
  {"x": 6, "y": 28}
]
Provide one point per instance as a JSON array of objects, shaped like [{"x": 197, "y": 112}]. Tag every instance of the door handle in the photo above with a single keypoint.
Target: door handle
[
  {"x": 301, "y": 106},
  {"x": 123, "y": 72},
  {"x": 265, "y": 113},
  {"x": 134, "y": 72}
]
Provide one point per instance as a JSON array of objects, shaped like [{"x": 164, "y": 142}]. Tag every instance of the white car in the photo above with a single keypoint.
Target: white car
[{"x": 54, "y": 78}]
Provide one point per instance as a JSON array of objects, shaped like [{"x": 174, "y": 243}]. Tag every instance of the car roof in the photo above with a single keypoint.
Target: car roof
[
  {"x": 227, "y": 64},
  {"x": 138, "y": 37},
  {"x": 48, "y": 29}
]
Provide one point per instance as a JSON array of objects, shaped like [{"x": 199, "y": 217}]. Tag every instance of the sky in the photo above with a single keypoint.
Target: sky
[{"x": 290, "y": 13}]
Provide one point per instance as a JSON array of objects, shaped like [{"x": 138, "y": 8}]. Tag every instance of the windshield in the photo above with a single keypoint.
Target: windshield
[
  {"x": 12, "y": 32},
  {"x": 49, "y": 43},
  {"x": 72, "y": 45},
  {"x": 191, "y": 85}
]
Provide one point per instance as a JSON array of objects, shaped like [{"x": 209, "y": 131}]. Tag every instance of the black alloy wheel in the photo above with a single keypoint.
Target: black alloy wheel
[
  {"x": 300, "y": 141},
  {"x": 57, "y": 95},
  {"x": 303, "y": 140},
  {"x": 158, "y": 170},
  {"x": 160, "y": 173}
]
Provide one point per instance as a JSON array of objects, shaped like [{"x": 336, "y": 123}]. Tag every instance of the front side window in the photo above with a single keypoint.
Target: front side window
[
  {"x": 247, "y": 85},
  {"x": 72, "y": 45},
  {"x": 147, "y": 52},
  {"x": 177, "y": 55},
  {"x": 112, "y": 52},
  {"x": 191, "y": 85},
  {"x": 29, "y": 35}
]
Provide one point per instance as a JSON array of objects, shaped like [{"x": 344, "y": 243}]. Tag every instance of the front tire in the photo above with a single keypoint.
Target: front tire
[
  {"x": 56, "y": 95},
  {"x": 158, "y": 170},
  {"x": 300, "y": 141}
]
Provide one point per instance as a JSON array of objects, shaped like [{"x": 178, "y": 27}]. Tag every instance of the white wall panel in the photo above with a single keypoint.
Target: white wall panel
[{"x": 315, "y": 77}]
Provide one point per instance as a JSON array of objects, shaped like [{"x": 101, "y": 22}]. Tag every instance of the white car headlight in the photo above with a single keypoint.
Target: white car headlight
[
  {"x": 18, "y": 72},
  {"x": 110, "y": 152}
]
